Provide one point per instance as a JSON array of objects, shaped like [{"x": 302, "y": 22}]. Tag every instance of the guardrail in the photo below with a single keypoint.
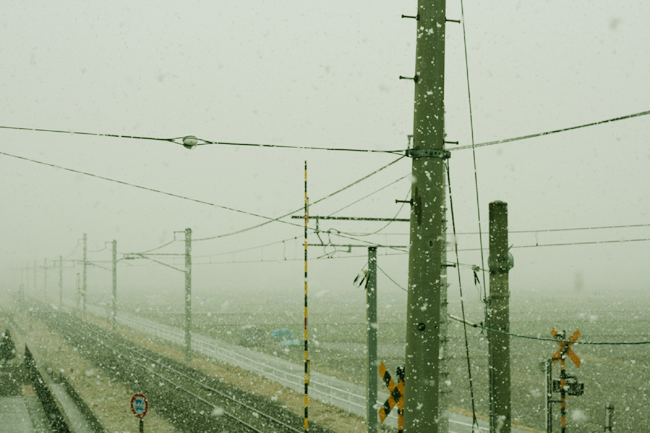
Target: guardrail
[{"x": 344, "y": 399}]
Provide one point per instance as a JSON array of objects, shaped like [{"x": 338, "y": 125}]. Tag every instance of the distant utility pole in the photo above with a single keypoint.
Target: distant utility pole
[
  {"x": 45, "y": 280},
  {"x": 188, "y": 295},
  {"x": 78, "y": 291},
  {"x": 114, "y": 285},
  {"x": 35, "y": 267},
  {"x": 83, "y": 287},
  {"x": 371, "y": 314},
  {"x": 423, "y": 411},
  {"x": 60, "y": 281},
  {"x": 499, "y": 319}
]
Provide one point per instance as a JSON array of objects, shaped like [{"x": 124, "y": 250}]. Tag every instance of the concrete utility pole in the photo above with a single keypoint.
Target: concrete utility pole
[
  {"x": 188, "y": 295},
  {"x": 499, "y": 319},
  {"x": 35, "y": 267},
  {"x": 83, "y": 287},
  {"x": 423, "y": 411},
  {"x": 371, "y": 314},
  {"x": 60, "y": 281},
  {"x": 114, "y": 285}
]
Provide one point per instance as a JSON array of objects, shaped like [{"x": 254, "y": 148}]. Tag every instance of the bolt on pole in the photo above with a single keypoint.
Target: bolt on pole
[
  {"x": 114, "y": 315},
  {"x": 423, "y": 411},
  {"x": 371, "y": 314},
  {"x": 499, "y": 318},
  {"x": 83, "y": 287},
  {"x": 188, "y": 295}
]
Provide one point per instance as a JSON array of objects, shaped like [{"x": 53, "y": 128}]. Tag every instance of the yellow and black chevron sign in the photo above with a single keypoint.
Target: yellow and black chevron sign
[{"x": 396, "y": 393}]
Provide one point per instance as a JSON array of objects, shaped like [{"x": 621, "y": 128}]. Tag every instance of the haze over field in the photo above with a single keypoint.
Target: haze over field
[{"x": 325, "y": 75}]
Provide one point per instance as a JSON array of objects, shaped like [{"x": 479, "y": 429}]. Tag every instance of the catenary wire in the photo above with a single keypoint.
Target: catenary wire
[
  {"x": 147, "y": 189},
  {"x": 389, "y": 277},
  {"x": 385, "y": 225},
  {"x": 473, "y": 146},
  {"x": 368, "y": 195},
  {"x": 530, "y": 337},
  {"x": 157, "y": 248},
  {"x": 73, "y": 250},
  {"x": 299, "y": 209},
  {"x": 248, "y": 249},
  {"x": 202, "y": 141},
  {"x": 462, "y": 302},
  {"x": 555, "y": 131}
]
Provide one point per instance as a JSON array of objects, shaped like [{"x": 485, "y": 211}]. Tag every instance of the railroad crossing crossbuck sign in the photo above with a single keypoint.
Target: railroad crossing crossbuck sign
[
  {"x": 139, "y": 405},
  {"x": 396, "y": 396},
  {"x": 566, "y": 348}
]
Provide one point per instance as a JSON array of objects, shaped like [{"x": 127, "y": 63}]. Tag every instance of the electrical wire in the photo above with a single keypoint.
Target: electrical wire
[
  {"x": 157, "y": 248},
  {"x": 555, "y": 131},
  {"x": 530, "y": 337},
  {"x": 299, "y": 209},
  {"x": 73, "y": 250},
  {"x": 294, "y": 260},
  {"x": 368, "y": 195},
  {"x": 148, "y": 189},
  {"x": 247, "y": 249},
  {"x": 473, "y": 146},
  {"x": 97, "y": 251},
  {"x": 462, "y": 303},
  {"x": 202, "y": 142},
  {"x": 566, "y": 229},
  {"x": 385, "y": 225},
  {"x": 388, "y": 276},
  {"x": 618, "y": 241}
]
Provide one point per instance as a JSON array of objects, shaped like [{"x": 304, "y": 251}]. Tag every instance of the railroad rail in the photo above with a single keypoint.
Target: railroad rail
[{"x": 192, "y": 400}]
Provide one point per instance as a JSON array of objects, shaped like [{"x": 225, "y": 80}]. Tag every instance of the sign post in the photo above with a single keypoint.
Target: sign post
[
  {"x": 140, "y": 406},
  {"x": 567, "y": 384}
]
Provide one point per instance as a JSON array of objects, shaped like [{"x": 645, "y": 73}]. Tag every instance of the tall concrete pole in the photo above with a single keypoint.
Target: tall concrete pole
[
  {"x": 422, "y": 385},
  {"x": 60, "y": 281},
  {"x": 188, "y": 295},
  {"x": 371, "y": 365},
  {"x": 114, "y": 315},
  {"x": 84, "y": 287},
  {"x": 45, "y": 280},
  {"x": 499, "y": 319},
  {"x": 35, "y": 267}
]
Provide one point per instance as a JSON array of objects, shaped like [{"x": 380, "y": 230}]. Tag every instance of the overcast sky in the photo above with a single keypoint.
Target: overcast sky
[{"x": 319, "y": 74}]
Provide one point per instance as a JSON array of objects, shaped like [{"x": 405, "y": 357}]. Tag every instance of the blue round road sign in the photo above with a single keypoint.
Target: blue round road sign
[{"x": 139, "y": 405}]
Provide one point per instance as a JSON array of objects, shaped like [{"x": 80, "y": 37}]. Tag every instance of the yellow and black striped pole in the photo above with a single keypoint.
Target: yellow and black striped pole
[
  {"x": 306, "y": 315},
  {"x": 562, "y": 389}
]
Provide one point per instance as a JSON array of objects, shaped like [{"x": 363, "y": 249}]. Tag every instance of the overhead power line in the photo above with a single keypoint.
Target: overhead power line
[
  {"x": 618, "y": 241},
  {"x": 555, "y": 131},
  {"x": 368, "y": 195},
  {"x": 350, "y": 185},
  {"x": 194, "y": 141},
  {"x": 530, "y": 337},
  {"x": 146, "y": 188},
  {"x": 208, "y": 203},
  {"x": 183, "y": 141}
]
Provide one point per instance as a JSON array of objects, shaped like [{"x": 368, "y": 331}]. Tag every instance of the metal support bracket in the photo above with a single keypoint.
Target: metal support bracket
[{"x": 428, "y": 153}]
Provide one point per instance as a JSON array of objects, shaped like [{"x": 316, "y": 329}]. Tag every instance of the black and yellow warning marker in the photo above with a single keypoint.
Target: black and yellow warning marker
[{"x": 396, "y": 397}]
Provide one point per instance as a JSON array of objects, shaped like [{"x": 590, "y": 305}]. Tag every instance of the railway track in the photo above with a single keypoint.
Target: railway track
[{"x": 190, "y": 399}]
